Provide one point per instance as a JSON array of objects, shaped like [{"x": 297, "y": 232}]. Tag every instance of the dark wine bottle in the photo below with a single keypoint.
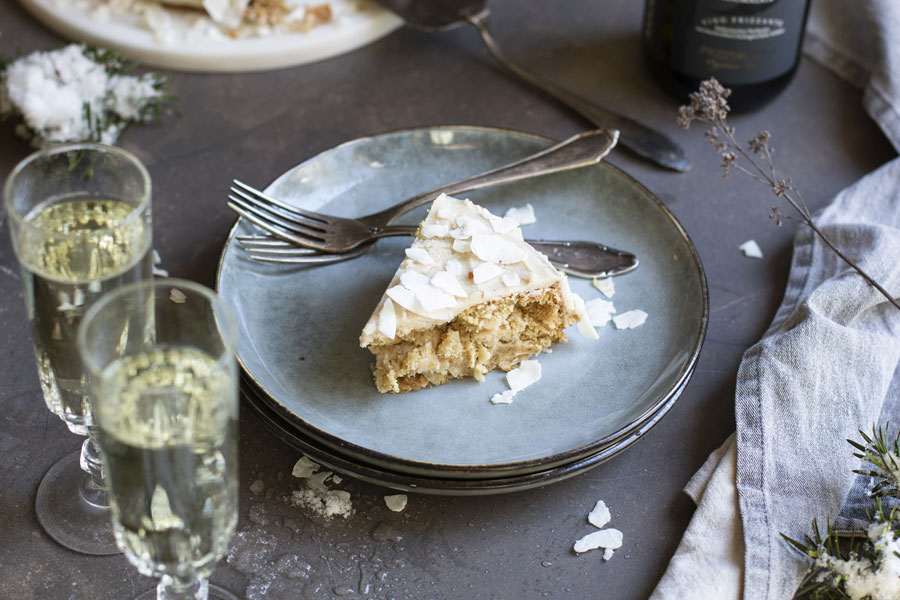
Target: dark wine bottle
[{"x": 750, "y": 46}]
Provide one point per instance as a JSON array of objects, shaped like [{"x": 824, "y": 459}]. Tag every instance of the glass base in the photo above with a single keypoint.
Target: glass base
[
  {"x": 67, "y": 517},
  {"x": 215, "y": 593}
]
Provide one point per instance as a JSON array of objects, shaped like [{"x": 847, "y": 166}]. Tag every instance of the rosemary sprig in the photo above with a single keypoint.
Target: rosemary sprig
[{"x": 710, "y": 105}]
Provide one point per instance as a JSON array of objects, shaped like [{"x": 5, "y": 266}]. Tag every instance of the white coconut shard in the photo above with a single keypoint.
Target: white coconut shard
[
  {"x": 387, "y": 320},
  {"x": 449, "y": 283},
  {"x": 432, "y": 299},
  {"x": 402, "y": 296},
  {"x": 630, "y": 319},
  {"x": 412, "y": 279},
  {"x": 431, "y": 230},
  {"x": 397, "y": 502},
  {"x": 523, "y": 215},
  {"x": 419, "y": 255},
  {"x": 304, "y": 467},
  {"x": 751, "y": 249},
  {"x": 491, "y": 247},
  {"x": 454, "y": 266},
  {"x": 605, "y": 538},
  {"x": 503, "y": 397},
  {"x": 528, "y": 372},
  {"x": 510, "y": 278},
  {"x": 599, "y": 516},
  {"x": 461, "y": 246},
  {"x": 606, "y": 286},
  {"x": 599, "y": 311},
  {"x": 485, "y": 272},
  {"x": 584, "y": 325},
  {"x": 608, "y": 553},
  {"x": 503, "y": 224}
]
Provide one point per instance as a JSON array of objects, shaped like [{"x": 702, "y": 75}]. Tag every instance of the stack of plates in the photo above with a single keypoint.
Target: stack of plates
[{"x": 307, "y": 378}]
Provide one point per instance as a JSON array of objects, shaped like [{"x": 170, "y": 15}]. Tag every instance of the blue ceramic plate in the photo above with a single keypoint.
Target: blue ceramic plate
[{"x": 300, "y": 325}]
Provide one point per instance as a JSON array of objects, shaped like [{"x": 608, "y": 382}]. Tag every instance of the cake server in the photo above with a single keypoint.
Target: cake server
[{"x": 441, "y": 15}]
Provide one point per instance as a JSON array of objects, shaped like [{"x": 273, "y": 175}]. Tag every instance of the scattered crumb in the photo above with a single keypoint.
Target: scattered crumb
[
  {"x": 257, "y": 487},
  {"x": 528, "y": 372},
  {"x": 606, "y": 286},
  {"x": 751, "y": 249},
  {"x": 177, "y": 296},
  {"x": 396, "y": 502},
  {"x": 157, "y": 269},
  {"x": 630, "y": 319},
  {"x": 608, "y": 553},
  {"x": 317, "y": 496}
]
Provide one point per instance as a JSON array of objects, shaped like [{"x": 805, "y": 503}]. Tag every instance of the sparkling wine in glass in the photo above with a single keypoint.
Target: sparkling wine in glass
[
  {"x": 79, "y": 218},
  {"x": 165, "y": 399}
]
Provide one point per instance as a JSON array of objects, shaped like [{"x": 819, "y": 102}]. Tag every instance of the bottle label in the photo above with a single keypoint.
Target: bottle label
[{"x": 740, "y": 41}]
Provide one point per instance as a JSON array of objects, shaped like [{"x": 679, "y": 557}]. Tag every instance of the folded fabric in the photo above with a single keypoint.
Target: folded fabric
[{"x": 825, "y": 368}]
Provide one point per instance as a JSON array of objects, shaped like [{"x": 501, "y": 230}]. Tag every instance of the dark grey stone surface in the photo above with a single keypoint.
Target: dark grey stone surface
[{"x": 255, "y": 126}]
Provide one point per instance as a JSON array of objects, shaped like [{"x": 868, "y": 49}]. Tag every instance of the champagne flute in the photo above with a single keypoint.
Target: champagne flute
[
  {"x": 163, "y": 382},
  {"x": 79, "y": 217}
]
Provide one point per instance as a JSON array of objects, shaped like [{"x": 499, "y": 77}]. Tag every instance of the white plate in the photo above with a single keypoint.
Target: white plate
[{"x": 125, "y": 34}]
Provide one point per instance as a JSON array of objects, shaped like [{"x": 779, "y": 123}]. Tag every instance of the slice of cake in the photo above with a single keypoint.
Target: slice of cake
[{"x": 470, "y": 297}]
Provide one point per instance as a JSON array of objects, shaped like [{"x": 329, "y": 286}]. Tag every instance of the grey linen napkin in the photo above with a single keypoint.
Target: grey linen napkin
[{"x": 826, "y": 367}]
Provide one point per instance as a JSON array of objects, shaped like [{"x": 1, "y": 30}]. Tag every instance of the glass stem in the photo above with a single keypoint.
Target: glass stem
[
  {"x": 187, "y": 587},
  {"x": 93, "y": 491}
]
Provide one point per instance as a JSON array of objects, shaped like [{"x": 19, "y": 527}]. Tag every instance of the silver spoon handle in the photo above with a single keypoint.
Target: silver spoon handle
[
  {"x": 578, "y": 151},
  {"x": 636, "y": 137}
]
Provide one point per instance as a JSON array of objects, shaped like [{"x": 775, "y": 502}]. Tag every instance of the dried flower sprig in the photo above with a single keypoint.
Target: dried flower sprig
[
  {"x": 859, "y": 566},
  {"x": 710, "y": 105}
]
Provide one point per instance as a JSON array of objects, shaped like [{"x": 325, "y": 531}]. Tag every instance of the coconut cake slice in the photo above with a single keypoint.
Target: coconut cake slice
[{"x": 471, "y": 296}]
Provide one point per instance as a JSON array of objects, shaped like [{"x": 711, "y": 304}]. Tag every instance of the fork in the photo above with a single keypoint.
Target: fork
[
  {"x": 327, "y": 233},
  {"x": 578, "y": 258}
]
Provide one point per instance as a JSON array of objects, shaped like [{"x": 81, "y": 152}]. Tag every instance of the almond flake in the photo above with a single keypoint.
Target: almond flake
[
  {"x": 529, "y": 372},
  {"x": 419, "y": 255},
  {"x": 449, "y": 283},
  {"x": 485, "y": 272},
  {"x": 606, "y": 286},
  {"x": 510, "y": 278},
  {"x": 630, "y": 319},
  {"x": 522, "y": 215},
  {"x": 387, "y": 320},
  {"x": 599, "y": 311}
]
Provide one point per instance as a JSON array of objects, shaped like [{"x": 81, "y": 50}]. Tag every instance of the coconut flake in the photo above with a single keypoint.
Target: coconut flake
[
  {"x": 630, "y": 319},
  {"x": 485, "y": 272},
  {"x": 608, "y": 553},
  {"x": 396, "y": 503},
  {"x": 432, "y": 299},
  {"x": 522, "y": 215},
  {"x": 449, "y": 283},
  {"x": 510, "y": 278},
  {"x": 599, "y": 311},
  {"x": 461, "y": 246},
  {"x": 599, "y": 516},
  {"x": 402, "y": 296},
  {"x": 432, "y": 230},
  {"x": 503, "y": 397},
  {"x": 503, "y": 224},
  {"x": 387, "y": 320},
  {"x": 304, "y": 467},
  {"x": 472, "y": 226},
  {"x": 528, "y": 372},
  {"x": 491, "y": 247},
  {"x": 606, "y": 286},
  {"x": 584, "y": 325},
  {"x": 419, "y": 255},
  {"x": 454, "y": 266},
  {"x": 751, "y": 249},
  {"x": 605, "y": 538},
  {"x": 177, "y": 296}
]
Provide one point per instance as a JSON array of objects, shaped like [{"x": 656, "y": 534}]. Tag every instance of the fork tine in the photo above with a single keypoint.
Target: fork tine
[
  {"x": 258, "y": 196},
  {"x": 283, "y": 213},
  {"x": 277, "y": 230},
  {"x": 265, "y": 241},
  {"x": 274, "y": 218},
  {"x": 265, "y": 245},
  {"x": 300, "y": 256}
]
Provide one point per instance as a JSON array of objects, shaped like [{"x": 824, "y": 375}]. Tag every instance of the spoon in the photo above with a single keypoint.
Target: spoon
[{"x": 441, "y": 15}]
